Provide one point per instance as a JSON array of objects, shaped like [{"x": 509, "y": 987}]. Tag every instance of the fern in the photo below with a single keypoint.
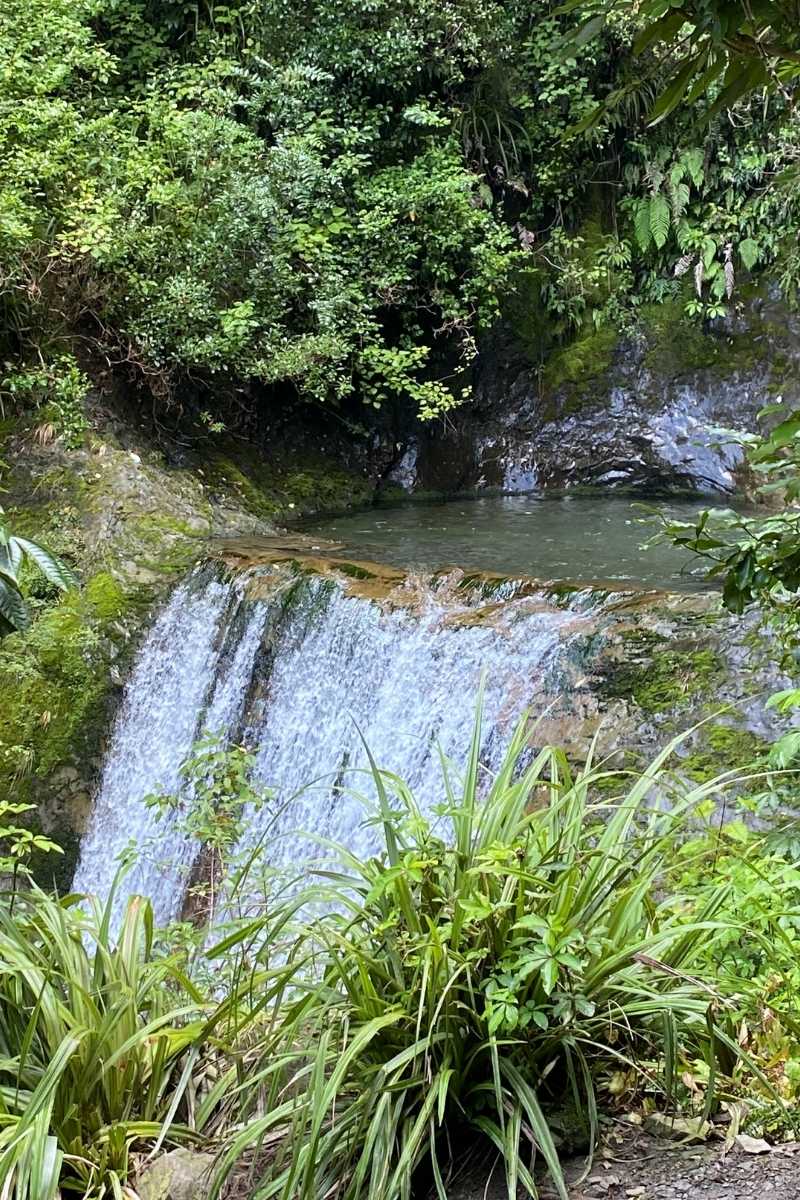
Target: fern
[
  {"x": 694, "y": 162},
  {"x": 679, "y": 199},
  {"x": 641, "y": 224},
  {"x": 654, "y": 176},
  {"x": 659, "y": 218}
]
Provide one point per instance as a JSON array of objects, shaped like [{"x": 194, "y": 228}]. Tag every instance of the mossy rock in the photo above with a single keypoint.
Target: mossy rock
[
  {"x": 297, "y": 485},
  {"x": 660, "y": 676},
  {"x": 677, "y": 346},
  {"x": 57, "y": 680},
  {"x": 575, "y": 373},
  {"x": 720, "y": 748},
  {"x": 526, "y": 316}
]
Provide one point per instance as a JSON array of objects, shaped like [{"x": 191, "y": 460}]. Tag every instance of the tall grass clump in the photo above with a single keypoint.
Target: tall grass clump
[
  {"x": 98, "y": 1038},
  {"x": 503, "y": 955}
]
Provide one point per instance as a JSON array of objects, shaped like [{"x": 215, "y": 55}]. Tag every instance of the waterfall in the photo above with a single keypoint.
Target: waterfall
[
  {"x": 404, "y": 682},
  {"x": 299, "y": 669},
  {"x": 192, "y": 672}
]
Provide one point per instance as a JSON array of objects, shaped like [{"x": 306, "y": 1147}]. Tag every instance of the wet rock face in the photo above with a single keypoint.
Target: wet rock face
[
  {"x": 627, "y": 441},
  {"x": 637, "y": 413}
]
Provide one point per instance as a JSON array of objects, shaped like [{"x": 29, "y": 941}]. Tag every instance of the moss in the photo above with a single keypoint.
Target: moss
[
  {"x": 676, "y": 345},
  {"x": 55, "y": 683},
  {"x": 576, "y": 369},
  {"x": 526, "y": 316},
  {"x": 722, "y": 748},
  {"x": 105, "y": 595},
  {"x": 294, "y": 487},
  {"x": 354, "y": 570},
  {"x": 661, "y": 677},
  {"x": 160, "y": 543}
]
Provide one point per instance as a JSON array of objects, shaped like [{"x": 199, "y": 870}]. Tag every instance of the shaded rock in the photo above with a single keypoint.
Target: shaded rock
[
  {"x": 614, "y": 412},
  {"x": 682, "y": 1129}
]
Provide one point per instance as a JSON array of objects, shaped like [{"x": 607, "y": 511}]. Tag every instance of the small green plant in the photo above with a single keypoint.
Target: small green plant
[
  {"x": 18, "y": 842},
  {"x": 58, "y": 390},
  {"x": 15, "y": 552},
  {"x": 212, "y": 807}
]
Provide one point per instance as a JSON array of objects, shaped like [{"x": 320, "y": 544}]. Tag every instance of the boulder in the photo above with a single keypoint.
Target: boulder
[{"x": 181, "y": 1174}]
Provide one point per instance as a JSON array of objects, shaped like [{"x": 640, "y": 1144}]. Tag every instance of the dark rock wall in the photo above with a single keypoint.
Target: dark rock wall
[{"x": 636, "y": 410}]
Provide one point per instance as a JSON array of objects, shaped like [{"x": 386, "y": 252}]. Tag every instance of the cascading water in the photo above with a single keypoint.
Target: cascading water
[
  {"x": 405, "y": 684},
  {"x": 195, "y": 663},
  {"x": 300, "y": 669}
]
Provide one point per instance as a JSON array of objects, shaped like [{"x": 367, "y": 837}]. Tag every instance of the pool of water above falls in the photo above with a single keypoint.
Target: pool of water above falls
[{"x": 567, "y": 537}]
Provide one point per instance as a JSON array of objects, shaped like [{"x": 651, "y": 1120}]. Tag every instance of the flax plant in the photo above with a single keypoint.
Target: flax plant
[
  {"x": 98, "y": 1038},
  {"x": 504, "y": 952}
]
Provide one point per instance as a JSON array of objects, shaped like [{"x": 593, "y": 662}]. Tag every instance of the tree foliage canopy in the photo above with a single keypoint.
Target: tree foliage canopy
[{"x": 333, "y": 199}]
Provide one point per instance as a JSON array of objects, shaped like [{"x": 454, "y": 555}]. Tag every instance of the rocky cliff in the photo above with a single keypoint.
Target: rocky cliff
[{"x": 637, "y": 410}]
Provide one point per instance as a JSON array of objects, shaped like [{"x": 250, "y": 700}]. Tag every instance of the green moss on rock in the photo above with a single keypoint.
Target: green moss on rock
[
  {"x": 575, "y": 371},
  {"x": 526, "y": 316},
  {"x": 302, "y": 485},
  {"x": 662, "y": 677},
  {"x": 56, "y": 681},
  {"x": 676, "y": 345},
  {"x": 720, "y": 748}
]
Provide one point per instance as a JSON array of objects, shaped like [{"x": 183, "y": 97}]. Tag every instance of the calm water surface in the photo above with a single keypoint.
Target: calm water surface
[{"x": 553, "y": 537}]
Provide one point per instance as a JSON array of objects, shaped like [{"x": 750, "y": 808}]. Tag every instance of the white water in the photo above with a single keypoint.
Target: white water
[
  {"x": 183, "y": 681},
  {"x": 403, "y": 681},
  {"x": 408, "y": 678}
]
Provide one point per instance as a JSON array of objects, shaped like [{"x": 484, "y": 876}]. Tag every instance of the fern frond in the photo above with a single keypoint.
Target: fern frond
[
  {"x": 641, "y": 224},
  {"x": 679, "y": 199},
  {"x": 659, "y": 216},
  {"x": 694, "y": 162},
  {"x": 654, "y": 176}
]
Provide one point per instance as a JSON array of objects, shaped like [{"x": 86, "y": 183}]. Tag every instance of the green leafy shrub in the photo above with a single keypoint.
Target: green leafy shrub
[
  {"x": 463, "y": 985},
  {"x": 58, "y": 390}
]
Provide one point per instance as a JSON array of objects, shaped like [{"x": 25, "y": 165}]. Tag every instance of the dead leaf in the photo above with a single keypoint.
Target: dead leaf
[
  {"x": 683, "y": 1129},
  {"x": 752, "y": 1145}
]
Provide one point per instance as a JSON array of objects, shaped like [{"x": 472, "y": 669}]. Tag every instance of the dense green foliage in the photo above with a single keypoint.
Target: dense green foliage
[
  {"x": 94, "y": 1033},
  {"x": 717, "y": 48},
  {"x": 334, "y": 200},
  {"x": 493, "y": 963},
  {"x": 471, "y": 979}
]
